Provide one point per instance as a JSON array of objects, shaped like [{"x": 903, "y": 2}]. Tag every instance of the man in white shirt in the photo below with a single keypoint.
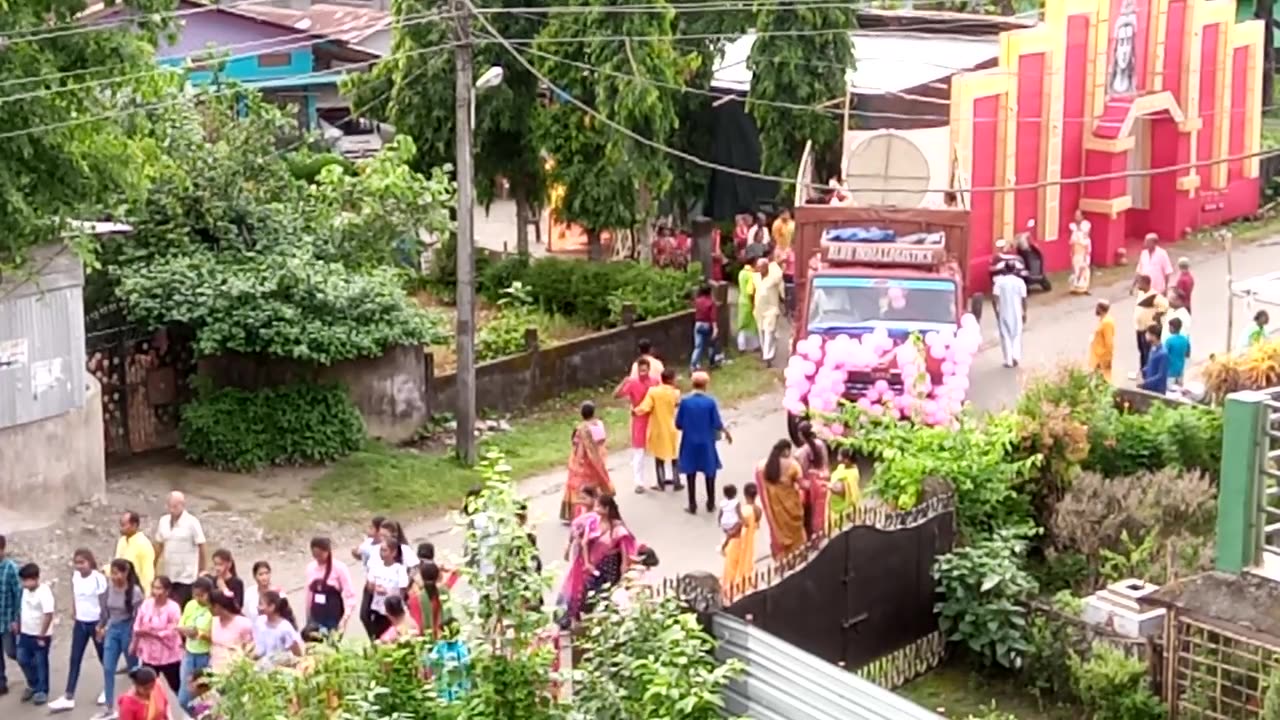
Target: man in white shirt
[
  {"x": 35, "y": 626},
  {"x": 179, "y": 544}
]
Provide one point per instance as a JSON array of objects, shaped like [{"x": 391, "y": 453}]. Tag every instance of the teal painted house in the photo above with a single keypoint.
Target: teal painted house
[{"x": 295, "y": 55}]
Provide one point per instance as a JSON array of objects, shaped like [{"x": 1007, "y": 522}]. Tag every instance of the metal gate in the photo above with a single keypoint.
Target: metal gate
[
  {"x": 865, "y": 599},
  {"x": 144, "y": 377}
]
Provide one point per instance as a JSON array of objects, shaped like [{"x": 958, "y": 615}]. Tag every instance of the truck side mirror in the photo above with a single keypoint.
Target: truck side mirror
[{"x": 975, "y": 306}]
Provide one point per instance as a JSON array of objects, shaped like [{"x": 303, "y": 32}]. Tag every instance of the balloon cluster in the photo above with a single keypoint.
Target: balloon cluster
[{"x": 816, "y": 374}]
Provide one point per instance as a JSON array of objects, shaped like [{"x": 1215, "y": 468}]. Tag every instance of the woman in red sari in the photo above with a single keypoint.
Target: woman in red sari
[
  {"x": 586, "y": 465},
  {"x": 815, "y": 462}
]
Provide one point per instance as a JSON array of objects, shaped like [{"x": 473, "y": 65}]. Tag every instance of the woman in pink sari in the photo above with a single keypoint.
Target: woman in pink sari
[
  {"x": 815, "y": 462},
  {"x": 600, "y": 553},
  {"x": 587, "y": 467}
]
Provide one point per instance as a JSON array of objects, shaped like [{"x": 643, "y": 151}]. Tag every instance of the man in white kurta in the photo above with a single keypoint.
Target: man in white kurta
[
  {"x": 768, "y": 306},
  {"x": 1010, "y": 295}
]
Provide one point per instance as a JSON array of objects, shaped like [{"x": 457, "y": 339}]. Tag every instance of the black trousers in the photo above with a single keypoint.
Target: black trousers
[
  {"x": 367, "y": 615},
  {"x": 1144, "y": 351},
  {"x": 172, "y": 674},
  {"x": 691, "y": 485},
  {"x": 664, "y": 477}
]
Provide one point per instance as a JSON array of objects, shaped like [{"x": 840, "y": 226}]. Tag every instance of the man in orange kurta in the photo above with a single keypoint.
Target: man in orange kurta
[{"x": 1102, "y": 348}]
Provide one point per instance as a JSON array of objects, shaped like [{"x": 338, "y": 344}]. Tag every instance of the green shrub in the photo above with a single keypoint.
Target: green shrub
[
  {"x": 242, "y": 430},
  {"x": 1124, "y": 443},
  {"x": 499, "y": 276},
  {"x": 503, "y": 334},
  {"x": 984, "y": 591},
  {"x": 1114, "y": 686}
]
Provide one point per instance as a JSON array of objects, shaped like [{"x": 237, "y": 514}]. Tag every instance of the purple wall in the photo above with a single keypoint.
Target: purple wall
[{"x": 223, "y": 29}]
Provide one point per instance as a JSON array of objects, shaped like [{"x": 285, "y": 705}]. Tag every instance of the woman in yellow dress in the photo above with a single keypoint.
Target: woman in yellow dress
[
  {"x": 660, "y": 441},
  {"x": 740, "y": 551}
]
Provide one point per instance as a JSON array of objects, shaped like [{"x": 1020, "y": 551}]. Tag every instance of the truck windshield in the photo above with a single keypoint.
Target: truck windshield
[{"x": 839, "y": 302}]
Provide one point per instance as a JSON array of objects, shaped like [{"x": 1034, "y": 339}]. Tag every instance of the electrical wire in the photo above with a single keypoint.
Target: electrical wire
[
  {"x": 184, "y": 98},
  {"x": 531, "y": 69},
  {"x": 411, "y": 21}
]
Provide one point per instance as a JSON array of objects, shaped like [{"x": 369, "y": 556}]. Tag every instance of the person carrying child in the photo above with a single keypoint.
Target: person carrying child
[{"x": 740, "y": 544}]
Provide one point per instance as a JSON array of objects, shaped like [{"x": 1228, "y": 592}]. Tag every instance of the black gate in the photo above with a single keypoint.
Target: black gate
[
  {"x": 144, "y": 378},
  {"x": 865, "y": 595}
]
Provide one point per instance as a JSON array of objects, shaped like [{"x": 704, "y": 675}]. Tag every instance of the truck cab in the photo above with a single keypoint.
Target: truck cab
[{"x": 863, "y": 271}]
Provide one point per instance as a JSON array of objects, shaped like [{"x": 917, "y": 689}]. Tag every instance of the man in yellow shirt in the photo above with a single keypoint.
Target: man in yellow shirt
[
  {"x": 134, "y": 546},
  {"x": 784, "y": 228}
]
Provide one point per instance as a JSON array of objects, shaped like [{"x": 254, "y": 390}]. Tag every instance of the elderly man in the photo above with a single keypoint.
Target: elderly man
[
  {"x": 768, "y": 306},
  {"x": 1009, "y": 297},
  {"x": 700, "y": 425},
  {"x": 179, "y": 545},
  {"x": 1153, "y": 262}
]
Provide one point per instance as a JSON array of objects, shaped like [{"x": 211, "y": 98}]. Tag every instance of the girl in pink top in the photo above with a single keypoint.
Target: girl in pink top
[
  {"x": 231, "y": 634},
  {"x": 156, "y": 641},
  {"x": 331, "y": 598}
]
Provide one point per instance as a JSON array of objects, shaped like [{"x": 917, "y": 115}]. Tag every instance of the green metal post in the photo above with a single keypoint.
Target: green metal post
[{"x": 1244, "y": 417}]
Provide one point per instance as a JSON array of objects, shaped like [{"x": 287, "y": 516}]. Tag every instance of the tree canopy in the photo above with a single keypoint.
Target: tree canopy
[
  {"x": 229, "y": 243},
  {"x": 801, "y": 58},
  {"x": 65, "y": 151},
  {"x": 414, "y": 90}
]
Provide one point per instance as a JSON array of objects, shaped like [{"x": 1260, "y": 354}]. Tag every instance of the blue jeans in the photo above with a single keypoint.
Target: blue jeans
[
  {"x": 33, "y": 658},
  {"x": 82, "y": 633},
  {"x": 115, "y": 645},
  {"x": 191, "y": 662},
  {"x": 702, "y": 342}
]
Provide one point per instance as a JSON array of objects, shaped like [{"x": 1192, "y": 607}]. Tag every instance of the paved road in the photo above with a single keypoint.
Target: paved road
[{"x": 1057, "y": 332}]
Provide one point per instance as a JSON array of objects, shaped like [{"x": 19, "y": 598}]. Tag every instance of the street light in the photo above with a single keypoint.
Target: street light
[{"x": 490, "y": 79}]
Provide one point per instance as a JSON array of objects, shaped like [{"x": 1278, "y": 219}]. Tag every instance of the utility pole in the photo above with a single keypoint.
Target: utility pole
[{"x": 464, "y": 107}]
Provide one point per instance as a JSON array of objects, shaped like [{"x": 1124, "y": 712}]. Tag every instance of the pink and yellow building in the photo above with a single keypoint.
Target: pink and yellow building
[{"x": 1157, "y": 101}]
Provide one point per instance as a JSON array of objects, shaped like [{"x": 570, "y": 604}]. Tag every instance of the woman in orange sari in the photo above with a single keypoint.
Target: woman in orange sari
[
  {"x": 586, "y": 465},
  {"x": 778, "y": 479},
  {"x": 740, "y": 551}
]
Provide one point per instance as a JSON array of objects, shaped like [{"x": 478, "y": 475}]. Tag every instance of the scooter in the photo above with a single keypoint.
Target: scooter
[{"x": 1032, "y": 270}]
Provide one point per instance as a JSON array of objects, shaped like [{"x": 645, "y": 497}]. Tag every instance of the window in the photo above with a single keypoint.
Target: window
[
  {"x": 894, "y": 167},
  {"x": 274, "y": 60},
  {"x": 848, "y": 302}
]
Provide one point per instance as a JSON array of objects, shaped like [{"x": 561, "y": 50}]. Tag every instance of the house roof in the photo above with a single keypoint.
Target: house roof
[
  {"x": 187, "y": 9},
  {"x": 887, "y": 62},
  {"x": 339, "y": 22}
]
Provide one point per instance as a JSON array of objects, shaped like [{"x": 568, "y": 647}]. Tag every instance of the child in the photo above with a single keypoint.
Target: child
[
  {"x": 1178, "y": 346},
  {"x": 728, "y": 517},
  {"x": 202, "y": 700},
  {"x": 844, "y": 488},
  {"x": 148, "y": 700},
  {"x": 35, "y": 628}
]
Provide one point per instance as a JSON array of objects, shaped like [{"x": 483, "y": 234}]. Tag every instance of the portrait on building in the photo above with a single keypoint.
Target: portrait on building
[{"x": 1126, "y": 41}]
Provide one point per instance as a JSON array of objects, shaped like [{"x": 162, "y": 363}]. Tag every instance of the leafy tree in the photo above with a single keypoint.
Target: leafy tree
[
  {"x": 610, "y": 181},
  {"x": 782, "y": 72},
  {"x": 694, "y": 134},
  {"x": 57, "y": 162},
  {"x": 414, "y": 90},
  {"x": 230, "y": 243}
]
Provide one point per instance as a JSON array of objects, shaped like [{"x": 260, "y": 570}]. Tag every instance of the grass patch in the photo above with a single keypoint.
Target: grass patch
[
  {"x": 954, "y": 691},
  {"x": 381, "y": 479}
]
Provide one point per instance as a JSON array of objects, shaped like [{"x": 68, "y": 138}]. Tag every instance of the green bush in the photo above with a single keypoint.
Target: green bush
[
  {"x": 1125, "y": 443},
  {"x": 503, "y": 335},
  {"x": 984, "y": 591},
  {"x": 589, "y": 293},
  {"x": 242, "y": 430},
  {"x": 1113, "y": 686}
]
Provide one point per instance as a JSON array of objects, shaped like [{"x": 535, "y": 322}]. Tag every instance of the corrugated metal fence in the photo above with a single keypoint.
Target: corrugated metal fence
[{"x": 782, "y": 682}]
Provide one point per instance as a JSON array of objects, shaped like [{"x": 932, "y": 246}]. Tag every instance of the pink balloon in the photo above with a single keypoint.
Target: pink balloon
[
  {"x": 882, "y": 386},
  {"x": 969, "y": 321},
  {"x": 937, "y": 352},
  {"x": 876, "y": 410},
  {"x": 962, "y": 383},
  {"x": 948, "y": 368},
  {"x": 795, "y": 407},
  {"x": 872, "y": 395},
  {"x": 837, "y": 429},
  {"x": 864, "y": 403},
  {"x": 809, "y": 368},
  {"x": 931, "y": 338}
]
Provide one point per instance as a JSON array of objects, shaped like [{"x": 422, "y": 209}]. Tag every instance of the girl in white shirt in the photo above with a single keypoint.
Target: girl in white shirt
[
  {"x": 87, "y": 586},
  {"x": 387, "y": 576}
]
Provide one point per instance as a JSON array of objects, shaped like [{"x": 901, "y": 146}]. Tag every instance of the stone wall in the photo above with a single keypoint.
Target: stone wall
[
  {"x": 52, "y": 464},
  {"x": 602, "y": 358},
  {"x": 389, "y": 391}
]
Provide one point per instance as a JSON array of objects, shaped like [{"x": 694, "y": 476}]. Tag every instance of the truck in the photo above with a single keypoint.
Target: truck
[{"x": 865, "y": 270}]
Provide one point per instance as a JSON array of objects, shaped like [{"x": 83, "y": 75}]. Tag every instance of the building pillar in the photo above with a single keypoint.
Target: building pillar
[
  {"x": 1244, "y": 419},
  {"x": 1105, "y": 201}
]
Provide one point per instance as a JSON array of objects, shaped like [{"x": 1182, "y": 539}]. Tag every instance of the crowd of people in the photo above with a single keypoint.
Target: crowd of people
[{"x": 170, "y": 613}]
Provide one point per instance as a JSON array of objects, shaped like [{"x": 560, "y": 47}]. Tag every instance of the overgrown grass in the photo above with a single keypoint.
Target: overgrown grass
[
  {"x": 382, "y": 479},
  {"x": 954, "y": 691}
]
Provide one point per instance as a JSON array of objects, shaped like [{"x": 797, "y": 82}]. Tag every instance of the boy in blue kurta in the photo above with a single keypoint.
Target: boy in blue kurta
[{"x": 700, "y": 426}]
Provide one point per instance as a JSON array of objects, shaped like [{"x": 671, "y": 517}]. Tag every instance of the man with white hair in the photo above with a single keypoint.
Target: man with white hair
[{"x": 179, "y": 545}]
